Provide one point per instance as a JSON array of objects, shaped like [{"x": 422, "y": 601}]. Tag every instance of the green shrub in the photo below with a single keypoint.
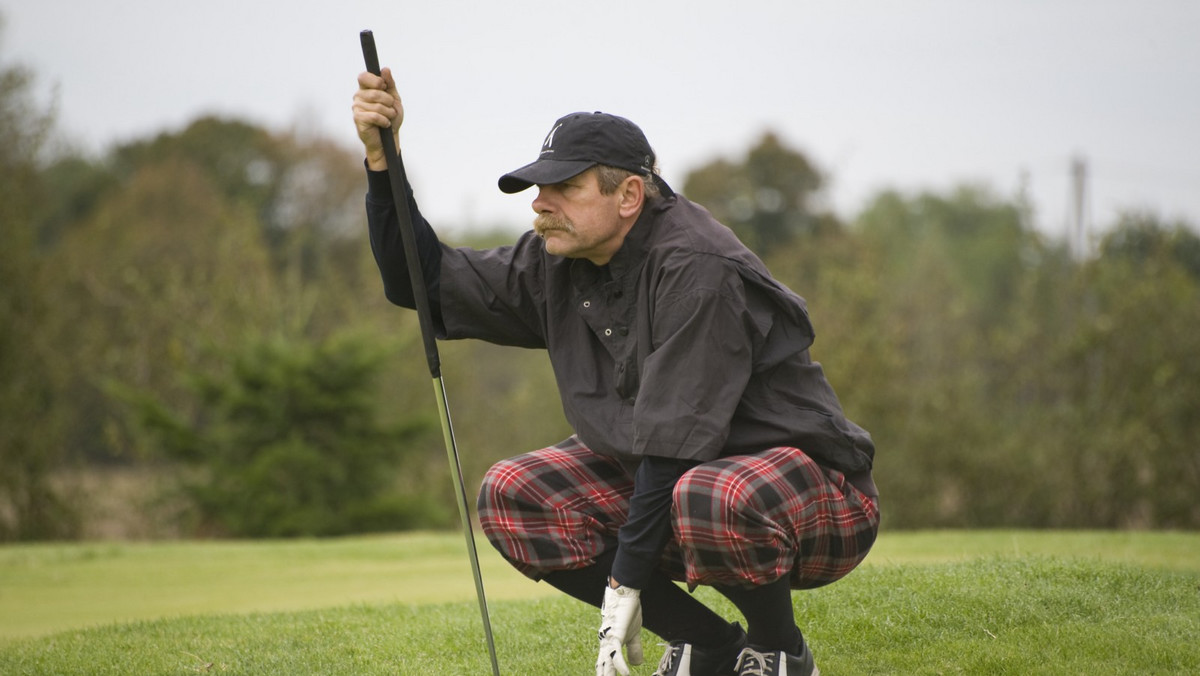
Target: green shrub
[{"x": 287, "y": 441}]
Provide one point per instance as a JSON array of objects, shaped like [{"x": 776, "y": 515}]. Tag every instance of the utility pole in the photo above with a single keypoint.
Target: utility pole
[
  {"x": 1080, "y": 232},
  {"x": 1093, "y": 359}
]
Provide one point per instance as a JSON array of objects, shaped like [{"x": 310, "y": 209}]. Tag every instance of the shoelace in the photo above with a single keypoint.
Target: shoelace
[
  {"x": 667, "y": 660},
  {"x": 754, "y": 663}
]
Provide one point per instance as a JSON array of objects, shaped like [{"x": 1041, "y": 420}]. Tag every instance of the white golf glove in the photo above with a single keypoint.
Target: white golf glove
[{"x": 620, "y": 627}]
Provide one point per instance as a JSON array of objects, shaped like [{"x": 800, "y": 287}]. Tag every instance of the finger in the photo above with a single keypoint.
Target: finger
[
  {"x": 618, "y": 661},
  {"x": 368, "y": 109},
  {"x": 389, "y": 82},
  {"x": 369, "y": 80},
  {"x": 604, "y": 664},
  {"x": 371, "y": 102},
  {"x": 634, "y": 649},
  {"x": 378, "y": 96},
  {"x": 366, "y": 119}
]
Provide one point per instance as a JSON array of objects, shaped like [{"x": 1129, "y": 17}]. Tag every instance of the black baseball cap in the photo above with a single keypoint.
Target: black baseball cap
[{"x": 580, "y": 141}]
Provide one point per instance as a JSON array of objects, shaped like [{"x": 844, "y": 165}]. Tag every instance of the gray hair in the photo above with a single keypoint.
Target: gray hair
[{"x": 611, "y": 177}]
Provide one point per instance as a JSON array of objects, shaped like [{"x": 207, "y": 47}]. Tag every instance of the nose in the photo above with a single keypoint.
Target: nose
[{"x": 541, "y": 203}]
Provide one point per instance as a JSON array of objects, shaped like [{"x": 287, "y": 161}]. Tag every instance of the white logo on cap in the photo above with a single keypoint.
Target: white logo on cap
[{"x": 549, "y": 142}]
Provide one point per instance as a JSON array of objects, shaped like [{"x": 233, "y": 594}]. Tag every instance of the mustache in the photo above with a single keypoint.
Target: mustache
[{"x": 544, "y": 223}]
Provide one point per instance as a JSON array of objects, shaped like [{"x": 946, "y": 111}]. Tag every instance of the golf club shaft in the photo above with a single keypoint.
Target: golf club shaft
[
  {"x": 439, "y": 390},
  {"x": 417, "y": 279}
]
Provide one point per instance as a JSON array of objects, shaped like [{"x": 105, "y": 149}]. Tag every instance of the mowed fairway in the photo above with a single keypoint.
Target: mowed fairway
[
  {"x": 50, "y": 588},
  {"x": 925, "y": 602}
]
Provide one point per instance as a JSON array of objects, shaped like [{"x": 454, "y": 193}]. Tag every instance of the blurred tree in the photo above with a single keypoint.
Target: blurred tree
[
  {"x": 170, "y": 265},
  {"x": 1143, "y": 238},
  {"x": 1027, "y": 388},
  {"x": 943, "y": 270},
  {"x": 243, "y": 162},
  {"x": 766, "y": 199},
  {"x": 288, "y": 442},
  {"x": 194, "y": 240},
  {"x": 1138, "y": 379},
  {"x": 79, "y": 185},
  {"x": 158, "y": 273},
  {"x": 30, "y": 422},
  {"x": 979, "y": 238},
  {"x": 305, "y": 193},
  {"x": 1100, "y": 374}
]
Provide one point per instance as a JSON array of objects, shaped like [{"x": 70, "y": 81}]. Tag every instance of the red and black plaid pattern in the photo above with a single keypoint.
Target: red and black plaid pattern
[
  {"x": 741, "y": 520},
  {"x": 752, "y": 519}
]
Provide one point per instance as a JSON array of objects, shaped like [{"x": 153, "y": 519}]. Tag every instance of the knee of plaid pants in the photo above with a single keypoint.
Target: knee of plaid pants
[
  {"x": 749, "y": 520},
  {"x": 555, "y": 508}
]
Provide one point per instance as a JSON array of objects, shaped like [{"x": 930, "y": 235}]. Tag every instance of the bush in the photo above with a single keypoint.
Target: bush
[{"x": 288, "y": 442}]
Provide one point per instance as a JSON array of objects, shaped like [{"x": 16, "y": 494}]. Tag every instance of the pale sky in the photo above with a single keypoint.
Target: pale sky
[{"x": 911, "y": 95}]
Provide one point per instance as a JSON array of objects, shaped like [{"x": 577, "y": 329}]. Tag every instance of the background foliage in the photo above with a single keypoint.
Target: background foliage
[
  {"x": 208, "y": 280},
  {"x": 285, "y": 441}
]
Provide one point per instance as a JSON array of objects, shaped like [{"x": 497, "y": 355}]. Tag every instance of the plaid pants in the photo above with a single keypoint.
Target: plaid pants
[{"x": 742, "y": 520}]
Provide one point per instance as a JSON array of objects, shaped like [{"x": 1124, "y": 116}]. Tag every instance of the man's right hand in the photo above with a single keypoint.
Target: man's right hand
[
  {"x": 620, "y": 630},
  {"x": 377, "y": 105}
]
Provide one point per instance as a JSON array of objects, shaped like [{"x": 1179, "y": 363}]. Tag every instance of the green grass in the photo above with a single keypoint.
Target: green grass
[
  {"x": 973, "y": 602},
  {"x": 49, "y": 588}
]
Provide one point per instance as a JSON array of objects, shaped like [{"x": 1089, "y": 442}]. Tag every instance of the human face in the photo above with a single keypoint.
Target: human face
[{"x": 576, "y": 220}]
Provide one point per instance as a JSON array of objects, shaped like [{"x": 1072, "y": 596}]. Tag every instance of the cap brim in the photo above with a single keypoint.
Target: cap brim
[{"x": 542, "y": 172}]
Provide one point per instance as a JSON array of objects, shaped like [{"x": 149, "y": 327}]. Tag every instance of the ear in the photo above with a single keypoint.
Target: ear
[{"x": 632, "y": 192}]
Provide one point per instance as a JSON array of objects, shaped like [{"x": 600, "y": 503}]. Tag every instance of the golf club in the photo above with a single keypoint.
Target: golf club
[{"x": 416, "y": 277}]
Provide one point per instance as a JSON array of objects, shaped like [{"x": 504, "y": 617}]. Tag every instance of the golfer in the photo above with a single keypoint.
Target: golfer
[{"x": 708, "y": 447}]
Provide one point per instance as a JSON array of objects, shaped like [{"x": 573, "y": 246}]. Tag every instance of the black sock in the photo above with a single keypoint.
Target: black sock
[
  {"x": 675, "y": 615},
  {"x": 585, "y": 584},
  {"x": 667, "y": 610},
  {"x": 771, "y": 623}
]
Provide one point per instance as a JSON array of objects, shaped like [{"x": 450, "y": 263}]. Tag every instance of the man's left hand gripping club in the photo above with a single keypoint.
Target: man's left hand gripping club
[{"x": 620, "y": 628}]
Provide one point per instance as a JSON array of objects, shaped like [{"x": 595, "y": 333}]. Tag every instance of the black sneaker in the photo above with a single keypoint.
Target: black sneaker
[
  {"x": 753, "y": 662},
  {"x": 686, "y": 659}
]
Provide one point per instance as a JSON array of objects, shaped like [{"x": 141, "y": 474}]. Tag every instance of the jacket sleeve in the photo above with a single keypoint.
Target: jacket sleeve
[
  {"x": 388, "y": 246},
  {"x": 645, "y": 534}
]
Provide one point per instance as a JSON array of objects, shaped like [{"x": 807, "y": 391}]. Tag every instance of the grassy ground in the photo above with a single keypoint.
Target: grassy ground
[
  {"x": 925, "y": 603},
  {"x": 49, "y": 588}
]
